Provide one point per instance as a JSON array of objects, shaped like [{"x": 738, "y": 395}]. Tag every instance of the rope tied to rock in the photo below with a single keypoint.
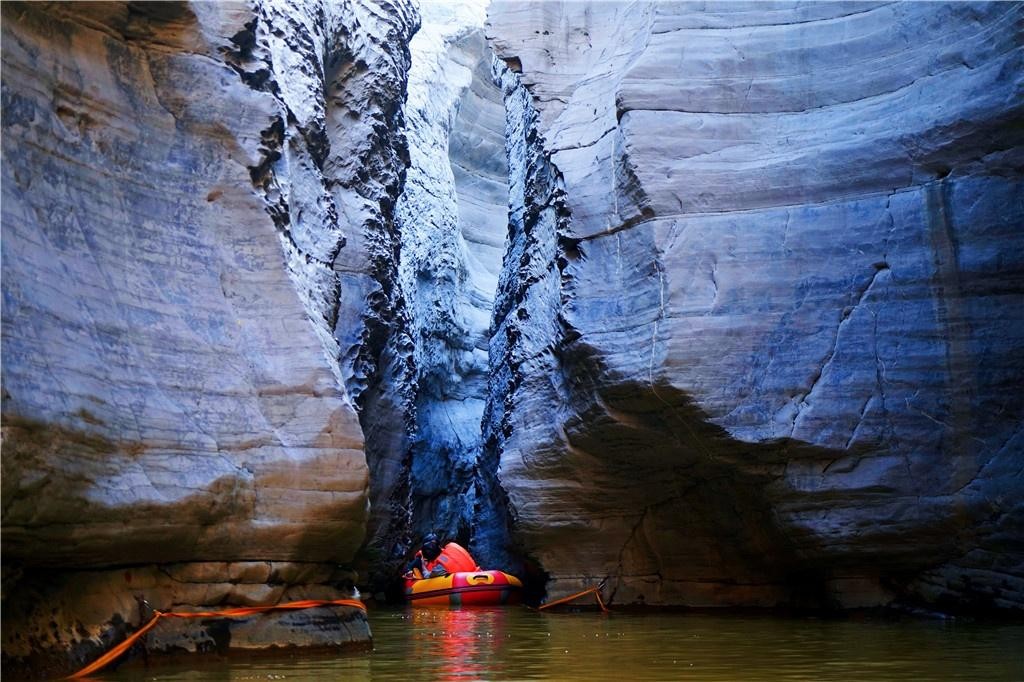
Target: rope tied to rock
[
  {"x": 121, "y": 648},
  {"x": 596, "y": 591}
]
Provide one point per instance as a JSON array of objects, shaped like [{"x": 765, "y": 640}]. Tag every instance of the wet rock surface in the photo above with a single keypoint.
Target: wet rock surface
[{"x": 761, "y": 343}]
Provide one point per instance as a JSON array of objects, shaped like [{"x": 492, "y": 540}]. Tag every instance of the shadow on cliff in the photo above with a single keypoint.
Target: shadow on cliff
[
  {"x": 690, "y": 515},
  {"x": 51, "y": 517}
]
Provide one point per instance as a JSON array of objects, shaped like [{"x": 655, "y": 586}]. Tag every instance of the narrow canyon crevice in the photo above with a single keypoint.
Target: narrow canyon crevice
[{"x": 453, "y": 216}]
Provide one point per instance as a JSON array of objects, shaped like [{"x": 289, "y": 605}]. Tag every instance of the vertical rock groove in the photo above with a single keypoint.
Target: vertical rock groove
[
  {"x": 453, "y": 218},
  {"x": 522, "y": 354}
]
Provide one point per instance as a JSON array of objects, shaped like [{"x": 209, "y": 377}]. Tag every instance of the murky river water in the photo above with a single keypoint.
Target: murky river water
[{"x": 514, "y": 643}]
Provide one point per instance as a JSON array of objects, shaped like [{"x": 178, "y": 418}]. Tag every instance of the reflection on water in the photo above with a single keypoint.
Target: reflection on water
[
  {"x": 514, "y": 643},
  {"x": 454, "y": 644}
]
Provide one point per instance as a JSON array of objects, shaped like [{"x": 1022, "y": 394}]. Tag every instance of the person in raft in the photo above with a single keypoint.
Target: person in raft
[{"x": 433, "y": 560}]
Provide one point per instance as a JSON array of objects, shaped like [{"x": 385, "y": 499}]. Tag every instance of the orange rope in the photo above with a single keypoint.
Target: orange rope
[
  {"x": 596, "y": 591},
  {"x": 117, "y": 651}
]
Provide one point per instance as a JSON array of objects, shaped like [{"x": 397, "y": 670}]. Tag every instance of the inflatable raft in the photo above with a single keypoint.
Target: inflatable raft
[{"x": 465, "y": 588}]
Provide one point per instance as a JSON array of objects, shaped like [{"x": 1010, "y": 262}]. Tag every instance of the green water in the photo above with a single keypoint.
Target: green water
[{"x": 513, "y": 643}]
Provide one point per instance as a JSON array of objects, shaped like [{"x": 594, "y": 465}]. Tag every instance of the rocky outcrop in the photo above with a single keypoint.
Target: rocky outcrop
[
  {"x": 758, "y": 340},
  {"x": 453, "y": 216},
  {"x": 50, "y": 616},
  {"x": 186, "y": 331}
]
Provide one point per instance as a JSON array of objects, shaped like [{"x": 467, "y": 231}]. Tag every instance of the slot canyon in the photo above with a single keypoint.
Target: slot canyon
[{"x": 717, "y": 304}]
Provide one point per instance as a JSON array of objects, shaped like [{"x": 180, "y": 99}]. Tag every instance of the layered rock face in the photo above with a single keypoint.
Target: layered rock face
[
  {"x": 182, "y": 314},
  {"x": 758, "y": 339},
  {"x": 453, "y": 221}
]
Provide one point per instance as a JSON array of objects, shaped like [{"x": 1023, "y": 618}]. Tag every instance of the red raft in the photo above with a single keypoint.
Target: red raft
[{"x": 465, "y": 588}]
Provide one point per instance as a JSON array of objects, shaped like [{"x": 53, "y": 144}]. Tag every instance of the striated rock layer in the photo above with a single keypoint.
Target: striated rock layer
[
  {"x": 759, "y": 335},
  {"x": 185, "y": 329}
]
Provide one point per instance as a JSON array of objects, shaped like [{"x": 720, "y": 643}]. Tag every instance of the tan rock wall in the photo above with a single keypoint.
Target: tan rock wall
[
  {"x": 146, "y": 384},
  {"x": 196, "y": 210}
]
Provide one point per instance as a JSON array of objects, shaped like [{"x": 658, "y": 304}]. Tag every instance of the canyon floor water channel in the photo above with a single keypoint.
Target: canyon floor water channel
[{"x": 520, "y": 644}]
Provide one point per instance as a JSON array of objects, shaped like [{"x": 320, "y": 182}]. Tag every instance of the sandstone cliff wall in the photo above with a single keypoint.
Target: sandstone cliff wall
[
  {"x": 735, "y": 317},
  {"x": 186, "y": 331},
  {"x": 762, "y": 328}
]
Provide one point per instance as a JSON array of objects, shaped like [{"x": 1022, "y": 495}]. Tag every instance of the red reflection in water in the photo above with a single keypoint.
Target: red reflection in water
[{"x": 459, "y": 641}]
